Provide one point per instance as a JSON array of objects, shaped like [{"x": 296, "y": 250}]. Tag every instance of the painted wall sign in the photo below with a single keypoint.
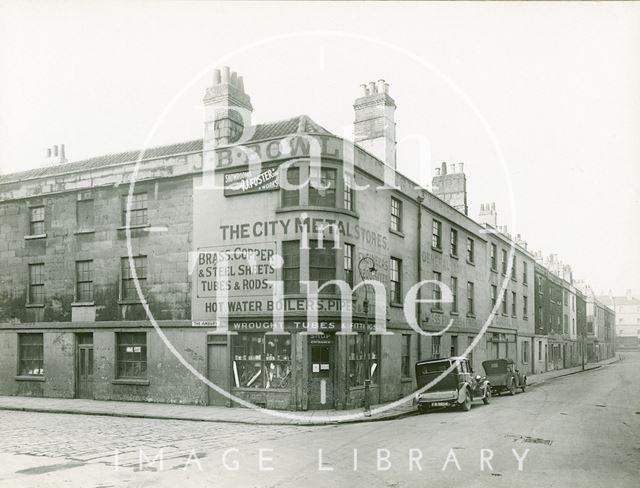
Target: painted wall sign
[
  {"x": 241, "y": 271},
  {"x": 244, "y": 182},
  {"x": 321, "y": 326}
]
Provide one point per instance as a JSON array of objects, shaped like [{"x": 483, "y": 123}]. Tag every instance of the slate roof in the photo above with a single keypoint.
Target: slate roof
[{"x": 301, "y": 124}]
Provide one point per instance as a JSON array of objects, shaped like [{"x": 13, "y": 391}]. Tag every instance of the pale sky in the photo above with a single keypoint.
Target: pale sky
[{"x": 558, "y": 85}]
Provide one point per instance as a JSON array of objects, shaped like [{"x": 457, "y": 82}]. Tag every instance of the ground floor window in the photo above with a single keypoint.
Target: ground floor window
[
  {"x": 261, "y": 361},
  {"x": 405, "y": 355},
  {"x": 30, "y": 350},
  {"x": 525, "y": 352},
  {"x": 435, "y": 347},
  {"x": 358, "y": 359},
  {"x": 131, "y": 355}
]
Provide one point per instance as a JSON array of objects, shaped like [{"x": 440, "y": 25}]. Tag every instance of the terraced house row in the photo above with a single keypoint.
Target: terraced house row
[{"x": 205, "y": 233}]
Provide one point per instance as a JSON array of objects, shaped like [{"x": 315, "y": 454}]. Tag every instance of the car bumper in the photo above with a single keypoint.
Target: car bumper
[{"x": 437, "y": 398}]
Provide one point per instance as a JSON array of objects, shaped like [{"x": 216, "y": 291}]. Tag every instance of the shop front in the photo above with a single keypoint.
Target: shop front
[{"x": 295, "y": 368}]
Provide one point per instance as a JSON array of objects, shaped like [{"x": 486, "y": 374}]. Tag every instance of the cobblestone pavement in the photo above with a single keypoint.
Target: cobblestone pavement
[{"x": 113, "y": 440}]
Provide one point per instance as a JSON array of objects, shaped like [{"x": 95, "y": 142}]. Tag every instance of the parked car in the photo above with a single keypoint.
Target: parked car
[
  {"x": 456, "y": 388},
  {"x": 504, "y": 376}
]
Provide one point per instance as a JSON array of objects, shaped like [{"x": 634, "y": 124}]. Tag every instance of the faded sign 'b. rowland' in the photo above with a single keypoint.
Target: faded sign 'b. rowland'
[{"x": 245, "y": 182}]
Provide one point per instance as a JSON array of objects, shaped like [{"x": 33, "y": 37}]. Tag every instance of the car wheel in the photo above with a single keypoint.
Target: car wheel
[
  {"x": 487, "y": 397},
  {"x": 466, "y": 406},
  {"x": 512, "y": 388},
  {"x": 423, "y": 408}
]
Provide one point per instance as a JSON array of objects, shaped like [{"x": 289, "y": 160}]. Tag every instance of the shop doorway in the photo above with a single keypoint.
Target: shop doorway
[
  {"x": 84, "y": 365},
  {"x": 321, "y": 372}
]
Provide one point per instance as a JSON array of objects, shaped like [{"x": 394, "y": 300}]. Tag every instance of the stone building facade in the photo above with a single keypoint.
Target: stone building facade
[{"x": 197, "y": 270}]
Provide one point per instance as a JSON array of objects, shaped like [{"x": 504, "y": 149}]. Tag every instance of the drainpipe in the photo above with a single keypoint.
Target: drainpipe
[{"x": 420, "y": 199}]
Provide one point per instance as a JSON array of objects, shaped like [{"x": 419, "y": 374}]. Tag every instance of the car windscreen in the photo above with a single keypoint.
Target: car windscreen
[{"x": 494, "y": 367}]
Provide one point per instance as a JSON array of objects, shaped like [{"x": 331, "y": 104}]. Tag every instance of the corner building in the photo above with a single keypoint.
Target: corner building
[{"x": 222, "y": 250}]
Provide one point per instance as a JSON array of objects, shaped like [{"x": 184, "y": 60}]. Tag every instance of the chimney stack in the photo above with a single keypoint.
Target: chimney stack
[
  {"x": 451, "y": 187},
  {"x": 375, "y": 126},
  {"x": 55, "y": 155},
  {"x": 488, "y": 215},
  {"x": 228, "y": 109}
]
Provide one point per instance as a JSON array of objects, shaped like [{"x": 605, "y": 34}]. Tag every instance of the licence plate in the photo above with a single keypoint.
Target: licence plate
[{"x": 440, "y": 404}]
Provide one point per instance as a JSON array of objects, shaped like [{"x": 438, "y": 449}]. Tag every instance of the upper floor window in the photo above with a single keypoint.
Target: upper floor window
[
  {"x": 505, "y": 305},
  {"x": 525, "y": 306},
  {"x": 291, "y": 198},
  {"x": 436, "y": 234},
  {"x": 454, "y": 242},
  {"x": 128, "y": 288},
  {"x": 470, "y": 298},
  {"x": 291, "y": 266},
  {"x": 525, "y": 278},
  {"x": 504, "y": 261},
  {"x": 437, "y": 293},
  {"x": 84, "y": 214},
  {"x": 494, "y": 257},
  {"x": 84, "y": 281},
  {"x": 396, "y": 214},
  {"x": 454, "y": 293},
  {"x": 349, "y": 196},
  {"x": 471, "y": 253},
  {"x": 322, "y": 263},
  {"x": 137, "y": 210},
  {"x": 513, "y": 269},
  {"x": 36, "y": 284},
  {"x": 36, "y": 221},
  {"x": 396, "y": 285},
  {"x": 325, "y": 196},
  {"x": 494, "y": 294},
  {"x": 348, "y": 264},
  {"x": 513, "y": 304}
]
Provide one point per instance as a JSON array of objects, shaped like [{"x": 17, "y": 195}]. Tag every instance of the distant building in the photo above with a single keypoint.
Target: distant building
[{"x": 627, "y": 309}]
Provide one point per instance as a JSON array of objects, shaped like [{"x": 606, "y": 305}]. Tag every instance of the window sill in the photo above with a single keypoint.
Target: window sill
[
  {"x": 123, "y": 381},
  {"x": 361, "y": 387},
  {"x": 25, "y": 377},
  {"x": 472, "y": 263},
  {"x": 454, "y": 313},
  {"x": 396, "y": 305},
  {"x": 436, "y": 249},
  {"x": 35, "y": 236},
  {"x": 131, "y": 302},
  {"x": 406, "y": 379},
  {"x": 454, "y": 256},
  {"x": 471, "y": 315},
  {"x": 260, "y": 390},
  {"x": 399, "y": 233},
  {"x": 525, "y": 318},
  {"x": 34, "y": 305},
  {"x": 436, "y": 310},
  {"x": 133, "y": 227},
  {"x": 313, "y": 208},
  {"x": 85, "y": 231},
  {"x": 494, "y": 270},
  {"x": 83, "y": 304}
]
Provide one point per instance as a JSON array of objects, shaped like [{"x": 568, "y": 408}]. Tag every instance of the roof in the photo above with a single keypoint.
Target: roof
[{"x": 301, "y": 124}]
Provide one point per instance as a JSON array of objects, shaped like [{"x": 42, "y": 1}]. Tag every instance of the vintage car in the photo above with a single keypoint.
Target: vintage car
[
  {"x": 458, "y": 387},
  {"x": 504, "y": 376}
]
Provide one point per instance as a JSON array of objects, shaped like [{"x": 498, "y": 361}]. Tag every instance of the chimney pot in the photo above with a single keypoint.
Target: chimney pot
[
  {"x": 380, "y": 85},
  {"x": 461, "y": 167},
  {"x": 62, "y": 158},
  {"x": 225, "y": 74},
  {"x": 55, "y": 150},
  {"x": 437, "y": 171},
  {"x": 386, "y": 87},
  {"x": 216, "y": 76},
  {"x": 48, "y": 152},
  {"x": 241, "y": 83},
  {"x": 444, "y": 168},
  {"x": 372, "y": 88},
  {"x": 234, "y": 78},
  {"x": 365, "y": 92}
]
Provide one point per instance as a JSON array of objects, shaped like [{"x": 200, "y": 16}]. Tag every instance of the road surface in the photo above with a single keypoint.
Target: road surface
[{"x": 579, "y": 430}]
